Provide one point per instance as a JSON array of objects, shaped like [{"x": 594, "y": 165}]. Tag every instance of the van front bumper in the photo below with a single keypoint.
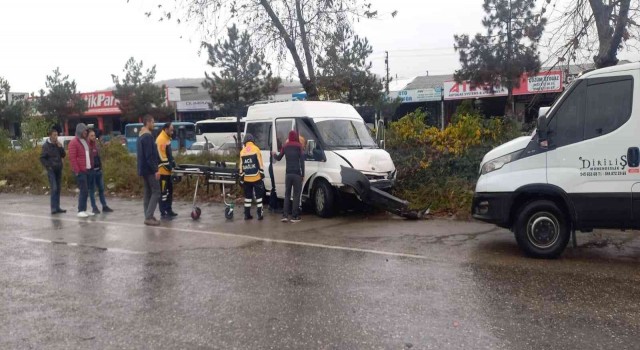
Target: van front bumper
[{"x": 494, "y": 208}]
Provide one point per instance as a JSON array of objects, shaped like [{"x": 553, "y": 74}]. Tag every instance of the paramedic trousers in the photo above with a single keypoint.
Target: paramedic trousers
[
  {"x": 166, "y": 191},
  {"x": 251, "y": 189}
]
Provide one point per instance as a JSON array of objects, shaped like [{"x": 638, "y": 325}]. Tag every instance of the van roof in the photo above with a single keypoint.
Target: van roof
[
  {"x": 314, "y": 109},
  {"x": 612, "y": 69}
]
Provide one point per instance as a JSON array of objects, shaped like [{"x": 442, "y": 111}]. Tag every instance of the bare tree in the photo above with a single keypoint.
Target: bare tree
[
  {"x": 295, "y": 29},
  {"x": 596, "y": 29}
]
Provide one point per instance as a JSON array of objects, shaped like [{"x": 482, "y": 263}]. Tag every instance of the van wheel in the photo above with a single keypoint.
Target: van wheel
[
  {"x": 542, "y": 230},
  {"x": 324, "y": 199}
]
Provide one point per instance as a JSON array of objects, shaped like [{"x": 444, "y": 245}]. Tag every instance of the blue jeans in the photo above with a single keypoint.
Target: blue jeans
[
  {"x": 55, "y": 183},
  {"x": 96, "y": 179},
  {"x": 82, "y": 181}
]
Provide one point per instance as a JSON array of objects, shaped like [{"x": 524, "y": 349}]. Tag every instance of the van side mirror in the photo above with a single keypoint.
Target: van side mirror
[
  {"x": 381, "y": 144},
  {"x": 310, "y": 146},
  {"x": 542, "y": 129},
  {"x": 313, "y": 152}
]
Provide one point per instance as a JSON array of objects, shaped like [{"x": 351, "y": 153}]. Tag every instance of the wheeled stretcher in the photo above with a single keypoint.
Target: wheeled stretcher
[{"x": 221, "y": 173}]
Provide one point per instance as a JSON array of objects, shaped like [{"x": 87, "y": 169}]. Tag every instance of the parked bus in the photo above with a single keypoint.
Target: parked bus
[
  {"x": 218, "y": 131},
  {"x": 184, "y": 135}
]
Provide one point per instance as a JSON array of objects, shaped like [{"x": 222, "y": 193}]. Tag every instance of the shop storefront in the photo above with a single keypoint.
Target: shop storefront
[
  {"x": 103, "y": 113},
  {"x": 427, "y": 99},
  {"x": 532, "y": 93},
  {"x": 193, "y": 111}
]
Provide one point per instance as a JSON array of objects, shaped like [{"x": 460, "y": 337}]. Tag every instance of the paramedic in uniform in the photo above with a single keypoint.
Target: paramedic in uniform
[
  {"x": 251, "y": 174},
  {"x": 167, "y": 163}
]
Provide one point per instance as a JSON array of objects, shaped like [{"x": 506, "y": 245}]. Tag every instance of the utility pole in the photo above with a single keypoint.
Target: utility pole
[
  {"x": 510, "y": 99},
  {"x": 386, "y": 62}
]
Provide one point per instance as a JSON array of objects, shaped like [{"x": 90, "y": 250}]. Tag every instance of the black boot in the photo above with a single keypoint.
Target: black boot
[
  {"x": 247, "y": 214},
  {"x": 260, "y": 214}
]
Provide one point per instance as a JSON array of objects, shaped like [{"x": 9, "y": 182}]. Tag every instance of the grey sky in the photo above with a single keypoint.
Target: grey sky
[{"x": 91, "y": 39}]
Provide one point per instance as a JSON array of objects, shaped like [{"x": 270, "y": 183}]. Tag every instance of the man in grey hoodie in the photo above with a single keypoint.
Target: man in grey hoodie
[{"x": 81, "y": 163}]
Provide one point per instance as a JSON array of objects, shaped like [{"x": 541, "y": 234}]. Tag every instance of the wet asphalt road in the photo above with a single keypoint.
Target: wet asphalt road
[{"x": 353, "y": 282}]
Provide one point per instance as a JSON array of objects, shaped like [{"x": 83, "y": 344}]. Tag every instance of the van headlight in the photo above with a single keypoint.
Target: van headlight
[{"x": 499, "y": 162}]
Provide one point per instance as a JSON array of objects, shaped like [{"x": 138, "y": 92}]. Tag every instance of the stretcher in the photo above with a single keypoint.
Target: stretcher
[{"x": 221, "y": 173}]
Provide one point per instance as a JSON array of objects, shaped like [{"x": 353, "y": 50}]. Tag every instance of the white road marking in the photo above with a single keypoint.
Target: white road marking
[{"x": 230, "y": 235}]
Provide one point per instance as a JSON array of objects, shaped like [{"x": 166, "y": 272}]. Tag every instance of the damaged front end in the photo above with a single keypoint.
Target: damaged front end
[{"x": 376, "y": 197}]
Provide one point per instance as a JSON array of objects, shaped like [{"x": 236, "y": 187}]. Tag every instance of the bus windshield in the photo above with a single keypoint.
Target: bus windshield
[
  {"x": 218, "y": 127},
  {"x": 184, "y": 134}
]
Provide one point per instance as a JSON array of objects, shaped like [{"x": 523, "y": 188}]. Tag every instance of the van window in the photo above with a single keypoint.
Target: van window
[
  {"x": 567, "y": 125},
  {"x": 261, "y": 132},
  {"x": 283, "y": 126},
  {"x": 609, "y": 102},
  {"x": 306, "y": 134}
]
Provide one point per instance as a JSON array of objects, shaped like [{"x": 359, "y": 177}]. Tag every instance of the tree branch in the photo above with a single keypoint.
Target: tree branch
[
  {"x": 288, "y": 42},
  {"x": 305, "y": 42}
]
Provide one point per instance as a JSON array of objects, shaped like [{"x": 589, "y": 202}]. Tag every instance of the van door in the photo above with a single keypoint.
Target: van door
[
  {"x": 588, "y": 144},
  {"x": 314, "y": 155},
  {"x": 283, "y": 126}
]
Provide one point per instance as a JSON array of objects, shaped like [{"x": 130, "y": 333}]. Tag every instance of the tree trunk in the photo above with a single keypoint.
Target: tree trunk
[
  {"x": 609, "y": 37},
  {"x": 309, "y": 86},
  {"x": 312, "y": 93}
]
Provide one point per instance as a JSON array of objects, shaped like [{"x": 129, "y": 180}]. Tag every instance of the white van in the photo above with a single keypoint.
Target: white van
[
  {"x": 579, "y": 171},
  {"x": 334, "y": 136}
]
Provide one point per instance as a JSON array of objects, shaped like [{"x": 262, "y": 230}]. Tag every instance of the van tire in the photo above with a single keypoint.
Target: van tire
[
  {"x": 324, "y": 199},
  {"x": 542, "y": 229}
]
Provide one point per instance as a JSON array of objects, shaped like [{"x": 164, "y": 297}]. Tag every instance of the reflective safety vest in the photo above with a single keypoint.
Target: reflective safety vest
[
  {"x": 164, "y": 151},
  {"x": 251, "y": 165}
]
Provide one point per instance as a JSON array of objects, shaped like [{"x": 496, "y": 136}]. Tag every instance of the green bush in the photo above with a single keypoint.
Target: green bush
[
  {"x": 438, "y": 168},
  {"x": 23, "y": 172}
]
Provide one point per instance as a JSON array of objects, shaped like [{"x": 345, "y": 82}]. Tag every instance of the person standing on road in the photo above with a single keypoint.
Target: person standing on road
[
  {"x": 96, "y": 177},
  {"x": 80, "y": 161},
  {"x": 252, "y": 175},
  {"x": 294, "y": 153},
  {"x": 51, "y": 159},
  {"x": 167, "y": 163},
  {"x": 147, "y": 155}
]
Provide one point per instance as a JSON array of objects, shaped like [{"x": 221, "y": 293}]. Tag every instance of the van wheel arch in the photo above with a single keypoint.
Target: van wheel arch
[{"x": 525, "y": 196}]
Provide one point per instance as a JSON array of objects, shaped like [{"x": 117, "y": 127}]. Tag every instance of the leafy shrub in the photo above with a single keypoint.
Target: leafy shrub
[
  {"x": 438, "y": 168},
  {"x": 23, "y": 172}
]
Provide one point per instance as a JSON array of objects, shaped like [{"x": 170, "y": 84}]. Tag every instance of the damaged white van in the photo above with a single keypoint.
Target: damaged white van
[
  {"x": 579, "y": 171},
  {"x": 335, "y": 137}
]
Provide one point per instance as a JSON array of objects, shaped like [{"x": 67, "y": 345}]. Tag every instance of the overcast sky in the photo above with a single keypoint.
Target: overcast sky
[{"x": 91, "y": 39}]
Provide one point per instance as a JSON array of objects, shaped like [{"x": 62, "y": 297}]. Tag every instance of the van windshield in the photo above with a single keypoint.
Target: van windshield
[{"x": 342, "y": 133}]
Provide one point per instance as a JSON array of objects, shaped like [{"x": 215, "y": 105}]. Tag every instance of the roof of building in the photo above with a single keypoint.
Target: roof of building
[{"x": 428, "y": 82}]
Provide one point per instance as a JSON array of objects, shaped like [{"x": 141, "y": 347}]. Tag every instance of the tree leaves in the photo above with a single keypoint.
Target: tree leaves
[
  {"x": 508, "y": 49},
  {"x": 61, "y": 100},
  {"x": 241, "y": 76},
  {"x": 294, "y": 29},
  {"x": 137, "y": 94},
  {"x": 344, "y": 73}
]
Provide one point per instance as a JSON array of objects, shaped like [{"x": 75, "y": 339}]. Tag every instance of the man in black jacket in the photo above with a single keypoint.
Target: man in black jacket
[
  {"x": 51, "y": 159},
  {"x": 148, "y": 160},
  {"x": 294, "y": 153}
]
